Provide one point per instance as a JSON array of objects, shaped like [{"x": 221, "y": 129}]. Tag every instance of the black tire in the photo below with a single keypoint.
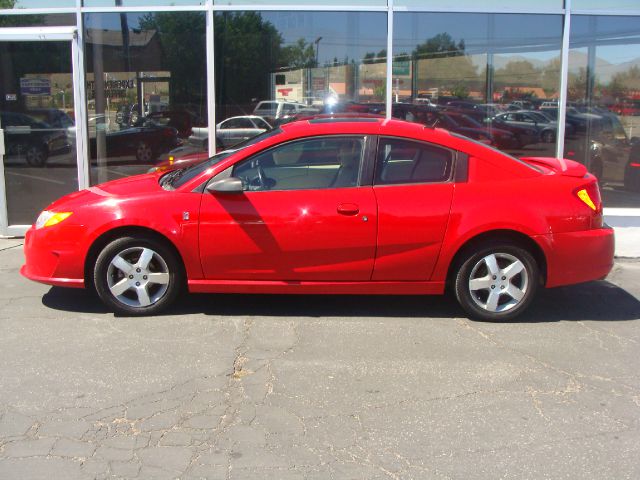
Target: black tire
[
  {"x": 475, "y": 266},
  {"x": 597, "y": 170},
  {"x": 632, "y": 179},
  {"x": 144, "y": 152},
  {"x": 548, "y": 136},
  {"x": 163, "y": 265},
  {"x": 35, "y": 155}
]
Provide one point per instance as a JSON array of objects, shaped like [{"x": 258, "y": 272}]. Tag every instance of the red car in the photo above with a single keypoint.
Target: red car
[{"x": 332, "y": 206}]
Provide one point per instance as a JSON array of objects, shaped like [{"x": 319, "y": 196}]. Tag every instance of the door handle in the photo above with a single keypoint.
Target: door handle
[{"x": 348, "y": 209}]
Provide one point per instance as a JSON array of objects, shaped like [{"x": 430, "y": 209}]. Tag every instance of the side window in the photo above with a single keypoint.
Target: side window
[
  {"x": 314, "y": 163},
  {"x": 260, "y": 123},
  {"x": 406, "y": 161}
]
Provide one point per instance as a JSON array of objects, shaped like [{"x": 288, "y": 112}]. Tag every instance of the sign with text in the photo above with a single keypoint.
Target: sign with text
[{"x": 35, "y": 86}]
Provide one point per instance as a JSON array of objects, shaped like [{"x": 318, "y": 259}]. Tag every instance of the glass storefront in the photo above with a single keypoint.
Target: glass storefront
[
  {"x": 485, "y": 76},
  {"x": 37, "y": 118},
  {"x": 284, "y": 65},
  {"x": 155, "y": 76},
  {"x": 603, "y": 106},
  {"x": 146, "y": 92}
]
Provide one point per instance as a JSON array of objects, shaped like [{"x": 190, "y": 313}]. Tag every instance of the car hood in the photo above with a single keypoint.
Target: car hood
[{"x": 129, "y": 187}]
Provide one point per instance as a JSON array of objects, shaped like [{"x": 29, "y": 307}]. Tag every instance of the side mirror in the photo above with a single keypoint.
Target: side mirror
[{"x": 226, "y": 185}]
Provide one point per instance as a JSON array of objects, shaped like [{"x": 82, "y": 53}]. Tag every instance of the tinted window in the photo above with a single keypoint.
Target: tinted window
[
  {"x": 405, "y": 161},
  {"x": 327, "y": 162}
]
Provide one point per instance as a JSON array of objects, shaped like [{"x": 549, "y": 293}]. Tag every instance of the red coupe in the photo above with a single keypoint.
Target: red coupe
[{"x": 332, "y": 206}]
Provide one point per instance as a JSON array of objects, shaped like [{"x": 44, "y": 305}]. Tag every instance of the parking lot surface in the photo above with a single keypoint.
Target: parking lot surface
[{"x": 327, "y": 387}]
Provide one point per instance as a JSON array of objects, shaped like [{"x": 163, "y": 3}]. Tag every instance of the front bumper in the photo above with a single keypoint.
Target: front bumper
[
  {"x": 53, "y": 257},
  {"x": 577, "y": 257}
]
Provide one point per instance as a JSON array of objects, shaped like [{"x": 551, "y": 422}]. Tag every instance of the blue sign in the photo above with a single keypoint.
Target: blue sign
[{"x": 35, "y": 86}]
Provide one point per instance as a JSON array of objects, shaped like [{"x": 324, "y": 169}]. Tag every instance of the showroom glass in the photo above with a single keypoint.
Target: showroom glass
[
  {"x": 403, "y": 161},
  {"x": 37, "y": 116},
  {"x": 309, "y": 62},
  {"x": 139, "y": 3},
  {"x": 146, "y": 92},
  {"x": 316, "y": 163},
  {"x": 603, "y": 108},
  {"x": 609, "y": 5},
  {"x": 488, "y": 4},
  {"x": 20, "y": 4},
  {"x": 479, "y": 66}
]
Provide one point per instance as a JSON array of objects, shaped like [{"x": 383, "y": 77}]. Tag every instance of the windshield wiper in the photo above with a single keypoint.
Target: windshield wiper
[{"x": 170, "y": 177}]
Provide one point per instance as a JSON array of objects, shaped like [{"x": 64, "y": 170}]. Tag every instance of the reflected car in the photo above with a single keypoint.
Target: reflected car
[
  {"x": 610, "y": 155},
  {"x": 181, "y": 157},
  {"x": 524, "y": 118},
  {"x": 238, "y": 129},
  {"x": 31, "y": 139},
  {"x": 181, "y": 120},
  {"x": 145, "y": 142},
  {"x": 332, "y": 206}
]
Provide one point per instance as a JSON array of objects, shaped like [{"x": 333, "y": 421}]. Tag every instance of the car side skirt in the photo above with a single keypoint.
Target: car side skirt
[{"x": 306, "y": 287}]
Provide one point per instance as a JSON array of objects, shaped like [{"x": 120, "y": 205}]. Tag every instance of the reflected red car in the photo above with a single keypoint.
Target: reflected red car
[{"x": 332, "y": 206}]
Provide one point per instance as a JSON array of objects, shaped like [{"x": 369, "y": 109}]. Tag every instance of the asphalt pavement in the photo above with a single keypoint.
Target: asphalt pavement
[{"x": 319, "y": 387}]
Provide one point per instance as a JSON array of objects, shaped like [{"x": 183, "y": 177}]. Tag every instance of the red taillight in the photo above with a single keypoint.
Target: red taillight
[
  {"x": 634, "y": 164},
  {"x": 589, "y": 194}
]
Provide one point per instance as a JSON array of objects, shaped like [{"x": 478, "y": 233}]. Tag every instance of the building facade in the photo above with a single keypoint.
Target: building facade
[{"x": 95, "y": 90}]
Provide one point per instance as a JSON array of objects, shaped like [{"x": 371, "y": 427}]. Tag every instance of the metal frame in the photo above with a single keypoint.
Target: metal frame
[{"x": 46, "y": 34}]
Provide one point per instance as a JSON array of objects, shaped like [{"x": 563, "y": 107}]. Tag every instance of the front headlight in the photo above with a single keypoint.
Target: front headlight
[{"x": 47, "y": 218}]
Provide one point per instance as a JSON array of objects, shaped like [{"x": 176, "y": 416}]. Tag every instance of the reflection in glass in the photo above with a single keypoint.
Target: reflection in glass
[
  {"x": 484, "y": 76},
  {"x": 146, "y": 92},
  {"x": 534, "y": 5},
  {"x": 37, "y": 116},
  {"x": 280, "y": 66},
  {"x": 15, "y": 4},
  {"x": 604, "y": 104}
]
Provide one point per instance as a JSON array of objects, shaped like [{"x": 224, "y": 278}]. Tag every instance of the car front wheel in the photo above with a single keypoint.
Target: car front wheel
[
  {"x": 138, "y": 276},
  {"x": 496, "y": 283}
]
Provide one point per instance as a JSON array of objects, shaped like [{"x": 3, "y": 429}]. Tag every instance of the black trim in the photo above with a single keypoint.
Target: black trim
[
  {"x": 461, "y": 168},
  {"x": 345, "y": 120},
  {"x": 369, "y": 160}
]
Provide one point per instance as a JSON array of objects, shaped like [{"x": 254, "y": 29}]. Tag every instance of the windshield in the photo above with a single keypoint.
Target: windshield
[{"x": 177, "y": 178}]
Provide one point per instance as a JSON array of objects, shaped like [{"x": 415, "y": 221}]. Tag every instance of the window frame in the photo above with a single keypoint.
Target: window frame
[
  {"x": 361, "y": 181},
  {"x": 454, "y": 175}
]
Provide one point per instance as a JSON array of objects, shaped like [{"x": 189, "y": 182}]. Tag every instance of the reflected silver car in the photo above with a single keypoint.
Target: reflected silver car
[{"x": 238, "y": 129}]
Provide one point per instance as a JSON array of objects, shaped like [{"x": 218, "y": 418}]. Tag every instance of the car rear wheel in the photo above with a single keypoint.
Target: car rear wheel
[
  {"x": 548, "y": 136},
  {"x": 137, "y": 276},
  {"x": 35, "y": 155},
  {"x": 496, "y": 283},
  {"x": 144, "y": 152}
]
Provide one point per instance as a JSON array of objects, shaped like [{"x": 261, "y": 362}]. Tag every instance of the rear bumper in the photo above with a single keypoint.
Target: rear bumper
[{"x": 576, "y": 257}]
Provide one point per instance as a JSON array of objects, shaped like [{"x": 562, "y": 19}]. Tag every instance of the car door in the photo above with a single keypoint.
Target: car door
[
  {"x": 414, "y": 189},
  {"x": 302, "y": 216}
]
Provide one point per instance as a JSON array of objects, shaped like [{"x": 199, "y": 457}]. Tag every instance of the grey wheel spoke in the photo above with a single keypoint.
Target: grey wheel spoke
[
  {"x": 143, "y": 296},
  {"x": 145, "y": 258},
  {"x": 492, "y": 264},
  {"x": 492, "y": 301},
  {"x": 160, "y": 278},
  {"x": 514, "y": 269},
  {"x": 121, "y": 287},
  {"x": 514, "y": 292},
  {"x": 121, "y": 264},
  {"x": 483, "y": 283}
]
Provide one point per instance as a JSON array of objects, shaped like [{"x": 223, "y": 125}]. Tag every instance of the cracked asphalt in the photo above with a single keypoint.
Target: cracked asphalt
[{"x": 287, "y": 387}]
